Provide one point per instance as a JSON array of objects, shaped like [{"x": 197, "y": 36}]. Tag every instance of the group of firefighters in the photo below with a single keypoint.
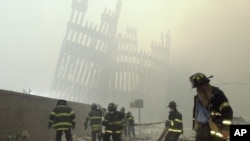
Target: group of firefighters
[
  {"x": 105, "y": 125},
  {"x": 212, "y": 116},
  {"x": 116, "y": 123}
]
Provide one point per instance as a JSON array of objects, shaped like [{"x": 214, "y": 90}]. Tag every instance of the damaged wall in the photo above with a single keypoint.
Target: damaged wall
[{"x": 29, "y": 114}]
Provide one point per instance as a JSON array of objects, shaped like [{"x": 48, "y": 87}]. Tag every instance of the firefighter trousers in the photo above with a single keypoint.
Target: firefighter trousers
[
  {"x": 172, "y": 136},
  {"x": 115, "y": 137},
  {"x": 67, "y": 135},
  {"x": 96, "y": 135}
]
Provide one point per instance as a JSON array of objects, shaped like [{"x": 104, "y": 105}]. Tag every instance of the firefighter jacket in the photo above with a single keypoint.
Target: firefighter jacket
[
  {"x": 113, "y": 122},
  {"x": 95, "y": 118},
  {"x": 130, "y": 119},
  {"x": 62, "y": 117},
  {"x": 219, "y": 108},
  {"x": 174, "y": 122},
  {"x": 125, "y": 120}
]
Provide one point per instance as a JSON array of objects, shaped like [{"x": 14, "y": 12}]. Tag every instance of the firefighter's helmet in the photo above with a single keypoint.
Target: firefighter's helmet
[
  {"x": 198, "y": 79},
  {"x": 61, "y": 102},
  {"x": 112, "y": 107},
  {"x": 122, "y": 109},
  {"x": 94, "y": 106},
  {"x": 172, "y": 104}
]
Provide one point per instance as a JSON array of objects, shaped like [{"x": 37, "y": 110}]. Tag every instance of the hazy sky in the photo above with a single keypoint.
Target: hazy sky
[{"x": 208, "y": 36}]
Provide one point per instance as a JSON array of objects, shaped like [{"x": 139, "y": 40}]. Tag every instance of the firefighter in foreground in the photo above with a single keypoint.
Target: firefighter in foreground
[
  {"x": 174, "y": 125},
  {"x": 95, "y": 118},
  {"x": 113, "y": 122},
  {"x": 212, "y": 114},
  {"x": 62, "y": 119}
]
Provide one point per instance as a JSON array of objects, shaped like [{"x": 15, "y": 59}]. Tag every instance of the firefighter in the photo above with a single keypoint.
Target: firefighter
[
  {"x": 212, "y": 113},
  {"x": 174, "y": 125},
  {"x": 62, "y": 119},
  {"x": 131, "y": 123},
  {"x": 113, "y": 122},
  {"x": 95, "y": 118}
]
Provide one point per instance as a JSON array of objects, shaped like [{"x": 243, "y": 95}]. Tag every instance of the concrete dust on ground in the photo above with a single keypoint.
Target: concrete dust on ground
[{"x": 147, "y": 133}]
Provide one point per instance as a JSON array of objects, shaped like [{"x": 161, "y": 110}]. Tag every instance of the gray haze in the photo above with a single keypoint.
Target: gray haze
[{"x": 207, "y": 36}]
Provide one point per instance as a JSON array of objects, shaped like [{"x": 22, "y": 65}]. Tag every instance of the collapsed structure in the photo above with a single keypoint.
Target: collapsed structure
[{"x": 99, "y": 64}]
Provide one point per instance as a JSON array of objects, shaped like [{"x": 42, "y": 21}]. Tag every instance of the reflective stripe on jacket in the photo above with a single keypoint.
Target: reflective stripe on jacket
[
  {"x": 62, "y": 117},
  {"x": 95, "y": 118},
  {"x": 113, "y": 122},
  {"x": 174, "y": 122}
]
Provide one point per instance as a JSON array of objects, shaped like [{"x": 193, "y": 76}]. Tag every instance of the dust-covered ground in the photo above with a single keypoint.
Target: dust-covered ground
[{"x": 148, "y": 133}]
